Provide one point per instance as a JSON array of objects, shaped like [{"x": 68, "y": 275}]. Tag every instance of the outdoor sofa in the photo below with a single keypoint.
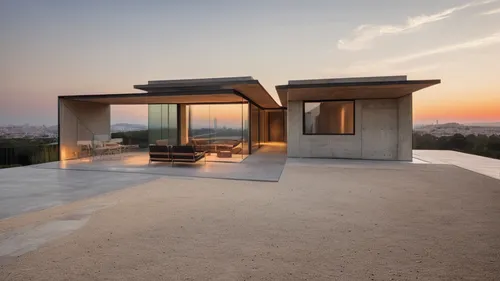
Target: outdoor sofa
[{"x": 162, "y": 152}]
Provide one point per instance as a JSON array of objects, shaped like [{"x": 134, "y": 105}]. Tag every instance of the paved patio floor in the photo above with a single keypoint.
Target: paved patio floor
[
  {"x": 265, "y": 165},
  {"x": 38, "y": 187}
]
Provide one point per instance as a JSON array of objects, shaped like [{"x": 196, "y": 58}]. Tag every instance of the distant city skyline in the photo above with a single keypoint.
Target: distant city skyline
[
  {"x": 57, "y": 47},
  {"x": 449, "y": 129}
]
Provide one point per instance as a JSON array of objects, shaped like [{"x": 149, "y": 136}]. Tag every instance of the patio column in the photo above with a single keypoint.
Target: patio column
[
  {"x": 405, "y": 128},
  {"x": 183, "y": 124}
]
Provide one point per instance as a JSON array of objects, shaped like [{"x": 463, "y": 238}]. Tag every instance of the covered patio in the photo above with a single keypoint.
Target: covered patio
[
  {"x": 266, "y": 164},
  {"x": 227, "y": 119}
]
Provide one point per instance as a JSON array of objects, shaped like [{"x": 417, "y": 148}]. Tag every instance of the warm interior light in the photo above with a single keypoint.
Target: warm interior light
[
  {"x": 342, "y": 120},
  {"x": 63, "y": 153}
]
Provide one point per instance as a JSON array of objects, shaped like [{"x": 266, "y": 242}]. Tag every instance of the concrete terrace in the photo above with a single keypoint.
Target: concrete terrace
[
  {"x": 265, "y": 165},
  {"x": 323, "y": 219},
  {"x": 58, "y": 183},
  {"x": 42, "y": 186},
  {"x": 482, "y": 165}
]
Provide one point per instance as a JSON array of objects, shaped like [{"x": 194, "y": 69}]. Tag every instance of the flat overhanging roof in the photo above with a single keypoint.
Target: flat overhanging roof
[
  {"x": 191, "y": 91},
  {"x": 351, "y": 88},
  {"x": 245, "y": 86},
  {"x": 181, "y": 97}
]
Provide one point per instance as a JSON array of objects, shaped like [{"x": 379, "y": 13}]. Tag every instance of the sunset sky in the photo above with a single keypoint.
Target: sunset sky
[{"x": 50, "y": 48}]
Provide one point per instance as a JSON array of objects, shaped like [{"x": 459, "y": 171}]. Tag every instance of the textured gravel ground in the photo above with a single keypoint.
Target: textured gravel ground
[{"x": 320, "y": 222}]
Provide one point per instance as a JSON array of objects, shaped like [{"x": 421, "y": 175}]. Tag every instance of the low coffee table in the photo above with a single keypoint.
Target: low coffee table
[{"x": 224, "y": 154}]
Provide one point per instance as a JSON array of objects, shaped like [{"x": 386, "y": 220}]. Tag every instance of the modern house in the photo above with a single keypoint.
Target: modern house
[
  {"x": 355, "y": 118},
  {"x": 269, "y": 215}
]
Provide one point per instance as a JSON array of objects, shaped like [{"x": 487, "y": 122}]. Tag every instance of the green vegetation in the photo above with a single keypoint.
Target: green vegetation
[
  {"x": 27, "y": 152},
  {"x": 133, "y": 137},
  {"x": 24, "y": 151},
  {"x": 488, "y": 146},
  {"x": 21, "y": 142}
]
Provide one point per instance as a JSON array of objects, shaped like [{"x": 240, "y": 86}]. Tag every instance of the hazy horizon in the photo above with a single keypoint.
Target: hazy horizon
[
  {"x": 57, "y": 47},
  {"x": 199, "y": 126}
]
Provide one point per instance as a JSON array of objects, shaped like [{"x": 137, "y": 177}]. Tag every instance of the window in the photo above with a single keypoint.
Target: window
[{"x": 328, "y": 118}]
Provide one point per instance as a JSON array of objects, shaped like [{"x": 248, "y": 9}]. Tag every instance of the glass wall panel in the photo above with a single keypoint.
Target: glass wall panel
[
  {"x": 222, "y": 130},
  {"x": 154, "y": 122},
  {"x": 254, "y": 127},
  {"x": 246, "y": 131},
  {"x": 172, "y": 124},
  {"x": 162, "y": 123},
  {"x": 218, "y": 130},
  {"x": 329, "y": 117},
  {"x": 199, "y": 123}
]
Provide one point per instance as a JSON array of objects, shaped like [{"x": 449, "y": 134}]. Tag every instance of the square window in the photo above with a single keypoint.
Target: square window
[{"x": 328, "y": 118}]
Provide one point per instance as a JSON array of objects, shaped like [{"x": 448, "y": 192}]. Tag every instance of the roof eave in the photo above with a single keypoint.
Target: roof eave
[{"x": 431, "y": 82}]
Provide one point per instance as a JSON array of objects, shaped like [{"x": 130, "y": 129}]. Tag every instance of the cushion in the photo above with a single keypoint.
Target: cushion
[
  {"x": 183, "y": 149},
  {"x": 162, "y": 142},
  {"x": 159, "y": 148}
]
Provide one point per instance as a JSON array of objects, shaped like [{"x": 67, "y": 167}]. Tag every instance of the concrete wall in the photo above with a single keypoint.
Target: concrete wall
[
  {"x": 405, "y": 128},
  {"x": 80, "y": 121},
  {"x": 378, "y": 133},
  {"x": 323, "y": 146}
]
